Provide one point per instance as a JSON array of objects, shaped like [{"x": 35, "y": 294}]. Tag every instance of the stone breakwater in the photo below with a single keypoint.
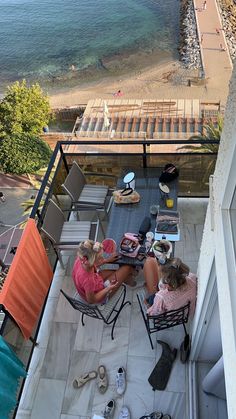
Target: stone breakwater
[
  {"x": 228, "y": 17},
  {"x": 189, "y": 48}
]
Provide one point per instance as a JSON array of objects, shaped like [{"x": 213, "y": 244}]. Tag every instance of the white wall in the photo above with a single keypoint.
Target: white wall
[
  {"x": 218, "y": 245},
  {"x": 211, "y": 348}
]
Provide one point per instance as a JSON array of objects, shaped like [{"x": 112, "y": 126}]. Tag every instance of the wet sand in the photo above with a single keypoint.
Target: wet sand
[{"x": 160, "y": 81}]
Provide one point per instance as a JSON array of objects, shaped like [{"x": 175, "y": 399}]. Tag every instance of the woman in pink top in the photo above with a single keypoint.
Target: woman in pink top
[
  {"x": 176, "y": 285},
  {"x": 92, "y": 285}
]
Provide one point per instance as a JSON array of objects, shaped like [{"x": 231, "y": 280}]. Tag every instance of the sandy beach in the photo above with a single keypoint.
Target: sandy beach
[{"x": 164, "y": 81}]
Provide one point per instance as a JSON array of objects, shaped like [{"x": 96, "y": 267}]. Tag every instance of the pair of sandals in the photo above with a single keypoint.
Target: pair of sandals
[
  {"x": 156, "y": 415},
  {"x": 102, "y": 379}
]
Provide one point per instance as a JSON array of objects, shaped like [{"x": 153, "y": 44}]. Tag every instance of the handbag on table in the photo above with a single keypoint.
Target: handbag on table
[{"x": 126, "y": 196}]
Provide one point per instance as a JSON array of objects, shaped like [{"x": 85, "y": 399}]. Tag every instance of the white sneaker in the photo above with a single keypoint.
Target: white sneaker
[
  {"x": 124, "y": 413},
  {"x": 109, "y": 410},
  {"x": 120, "y": 381}
]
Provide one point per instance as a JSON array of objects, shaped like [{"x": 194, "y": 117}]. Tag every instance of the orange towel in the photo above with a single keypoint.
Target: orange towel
[{"x": 28, "y": 280}]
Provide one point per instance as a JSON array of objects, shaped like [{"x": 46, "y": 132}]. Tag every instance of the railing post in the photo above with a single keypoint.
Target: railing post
[
  {"x": 144, "y": 156},
  {"x": 64, "y": 159}
]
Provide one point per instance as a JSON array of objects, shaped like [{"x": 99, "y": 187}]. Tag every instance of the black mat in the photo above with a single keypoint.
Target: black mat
[{"x": 160, "y": 374}]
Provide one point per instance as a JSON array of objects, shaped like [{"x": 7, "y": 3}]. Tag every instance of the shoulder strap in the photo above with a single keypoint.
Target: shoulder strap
[{"x": 126, "y": 191}]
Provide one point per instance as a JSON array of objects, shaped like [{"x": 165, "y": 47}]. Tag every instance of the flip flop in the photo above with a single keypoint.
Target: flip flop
[
  {"x": 83, "y": 379},
  {"x": 102, "y": 379}
]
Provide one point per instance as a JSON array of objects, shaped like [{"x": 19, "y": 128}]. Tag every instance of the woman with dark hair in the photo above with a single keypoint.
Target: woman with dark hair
[{"x": 171, "y": 285}]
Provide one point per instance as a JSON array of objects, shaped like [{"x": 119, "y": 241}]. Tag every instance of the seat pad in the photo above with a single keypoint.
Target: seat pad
[{"x": 95, "y": 194}]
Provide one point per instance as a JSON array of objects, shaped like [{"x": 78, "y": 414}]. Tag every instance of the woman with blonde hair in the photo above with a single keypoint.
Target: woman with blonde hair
[
  {"x": 93, "y": 285},
  {"x": 171, "y": 285}
]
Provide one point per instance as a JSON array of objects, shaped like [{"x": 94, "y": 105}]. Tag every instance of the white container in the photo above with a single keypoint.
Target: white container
[{"x": 150, "y": 236}]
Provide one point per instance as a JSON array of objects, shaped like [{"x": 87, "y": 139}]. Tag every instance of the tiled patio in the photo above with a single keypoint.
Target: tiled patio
[{"x": 66, "y": 349}]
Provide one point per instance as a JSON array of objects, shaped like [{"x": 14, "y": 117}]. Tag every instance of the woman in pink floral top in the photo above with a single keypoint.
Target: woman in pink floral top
[{"x": 176, "y": 285}]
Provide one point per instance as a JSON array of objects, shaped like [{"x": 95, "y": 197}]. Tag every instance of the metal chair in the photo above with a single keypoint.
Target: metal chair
[
  {"x": 66, "y": 235},
  {"x": 108, "y": 312},
  {"x": 164, "y": 320},
  {"x": 84, "y": 194}
]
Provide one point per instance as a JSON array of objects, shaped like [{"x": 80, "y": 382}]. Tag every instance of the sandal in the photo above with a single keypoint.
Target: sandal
[
  {"x": 83, "y": 379},
  {"x": 102, "y": 379}
]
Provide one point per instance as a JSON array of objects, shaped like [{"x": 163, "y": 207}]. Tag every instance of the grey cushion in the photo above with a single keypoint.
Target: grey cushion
[
  {"x": 95, "y": 194},
  {"x": 75, "y": 232}
]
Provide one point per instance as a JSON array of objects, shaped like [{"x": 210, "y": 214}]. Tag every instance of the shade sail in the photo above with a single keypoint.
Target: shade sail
[{"x": 28, "y": 280}]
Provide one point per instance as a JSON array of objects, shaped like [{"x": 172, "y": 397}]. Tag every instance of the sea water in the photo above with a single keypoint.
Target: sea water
[{"x": 59, "y": 41}]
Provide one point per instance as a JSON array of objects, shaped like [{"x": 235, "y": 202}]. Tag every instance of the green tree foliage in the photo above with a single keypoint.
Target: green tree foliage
[
  {"x": 24, "y": 110},
  {"x": 211, "y": 132},
  {"x": 25, "y": 153}
]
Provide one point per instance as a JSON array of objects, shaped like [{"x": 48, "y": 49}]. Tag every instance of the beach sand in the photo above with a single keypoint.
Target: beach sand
[{"x": 161, "y": 81}]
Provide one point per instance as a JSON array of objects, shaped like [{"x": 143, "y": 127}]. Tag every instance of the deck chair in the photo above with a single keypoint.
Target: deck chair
[
  {"x": 84, "y": 194},
  {"x": 164, "y": 320},
  {"x": 66, "y": 235},
  {"x": 108, "y": 312}
]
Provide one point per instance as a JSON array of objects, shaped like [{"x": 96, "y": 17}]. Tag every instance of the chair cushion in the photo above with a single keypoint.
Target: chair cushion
[
  {"x": 74, "y": 232},
  {"x": 95, "y": 194}
]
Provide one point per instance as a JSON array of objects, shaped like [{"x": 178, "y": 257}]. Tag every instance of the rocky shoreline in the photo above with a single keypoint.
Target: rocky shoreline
[
  {"x": 189, "y": 48},
  {"x": 228, "y": 17}
]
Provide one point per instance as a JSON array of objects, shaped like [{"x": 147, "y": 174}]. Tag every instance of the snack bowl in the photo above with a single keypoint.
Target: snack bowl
[{"x": 162, "y": 248}]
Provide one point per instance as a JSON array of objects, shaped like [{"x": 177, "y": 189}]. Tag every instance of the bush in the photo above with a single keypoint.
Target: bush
[
  {"x": 20, "y": 154},
  {"x": 24, "y": 110}
]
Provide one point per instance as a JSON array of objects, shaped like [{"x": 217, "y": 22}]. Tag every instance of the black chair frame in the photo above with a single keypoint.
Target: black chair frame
[
  {"x": 164, "y": 320},
  {"x": 96, "y": 312}
]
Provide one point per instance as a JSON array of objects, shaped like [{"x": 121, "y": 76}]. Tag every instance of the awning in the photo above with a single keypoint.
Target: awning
[{"x": 28, "y": 280}]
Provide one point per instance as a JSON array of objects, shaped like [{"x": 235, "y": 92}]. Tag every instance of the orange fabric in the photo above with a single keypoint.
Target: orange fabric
[{"x": 28, "y": 280}]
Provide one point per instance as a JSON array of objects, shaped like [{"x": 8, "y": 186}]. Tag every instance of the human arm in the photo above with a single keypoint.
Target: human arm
[
  {"x": 97, "y": 297},
  {"x": 158, "y": 306},
  {"x": 111, "y": 259}
]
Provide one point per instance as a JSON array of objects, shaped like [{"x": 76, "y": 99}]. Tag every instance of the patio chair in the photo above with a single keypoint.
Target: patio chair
[
  {"x": 66, "y": 235},
  {"x": 84, "y": 194},
  {"x": 164, "y": 320},
  {"x": 108, "y": 312}
]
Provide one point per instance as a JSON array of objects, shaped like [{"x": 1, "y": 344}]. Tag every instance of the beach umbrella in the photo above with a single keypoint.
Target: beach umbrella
[{"x": 106, "y": 115}]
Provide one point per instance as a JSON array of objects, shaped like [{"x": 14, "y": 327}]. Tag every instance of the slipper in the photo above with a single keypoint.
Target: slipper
[
  {"x": 83, "y": 379},
  {"x": 185, "y": 349},
  {"x": 102, "y": 379}
]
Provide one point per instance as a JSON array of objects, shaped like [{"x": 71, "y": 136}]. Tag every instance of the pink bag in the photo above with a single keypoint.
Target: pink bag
[{"x": 129, "y": 245}]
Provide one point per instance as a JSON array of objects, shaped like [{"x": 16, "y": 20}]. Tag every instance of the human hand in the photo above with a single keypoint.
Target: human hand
[
  {"x": 113, "y": 258},
  {"x": 114, "y": 285}
]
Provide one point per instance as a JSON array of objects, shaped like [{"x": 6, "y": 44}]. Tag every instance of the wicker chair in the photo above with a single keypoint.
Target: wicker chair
[
  {"x": 164, "y": 320},
  {"x": 84, "y": 194},
  {"x": 66, "y": 235},
  {"x": 108, "y": 312}
]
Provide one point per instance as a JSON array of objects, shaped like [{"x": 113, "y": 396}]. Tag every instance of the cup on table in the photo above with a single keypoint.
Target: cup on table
[
  {"x": 153, "y": 209},
  {"x": 149, "y": 239},
  {"x": 169, "y": 202},
  {"x": 150, "y": 236}
]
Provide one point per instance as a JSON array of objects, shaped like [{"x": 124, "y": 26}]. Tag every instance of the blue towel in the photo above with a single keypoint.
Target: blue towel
[{"x": 11, "y": 369}]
